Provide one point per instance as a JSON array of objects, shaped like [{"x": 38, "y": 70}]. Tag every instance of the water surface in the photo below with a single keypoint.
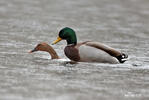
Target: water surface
[{"x": 122, "y": 24}]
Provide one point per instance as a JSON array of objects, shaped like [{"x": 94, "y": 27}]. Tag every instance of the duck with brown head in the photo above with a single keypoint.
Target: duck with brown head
[{"x": 47, "y": 48}]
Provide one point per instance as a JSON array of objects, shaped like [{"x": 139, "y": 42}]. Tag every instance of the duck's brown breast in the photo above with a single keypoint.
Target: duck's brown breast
[{"x": 72, "y": 53}]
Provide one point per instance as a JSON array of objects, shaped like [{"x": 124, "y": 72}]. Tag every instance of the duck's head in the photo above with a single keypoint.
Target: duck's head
[
  {"x": 40, "y": 47},
  {"x": 47, "y": 48},
  {"x": 67, "y": 34}
]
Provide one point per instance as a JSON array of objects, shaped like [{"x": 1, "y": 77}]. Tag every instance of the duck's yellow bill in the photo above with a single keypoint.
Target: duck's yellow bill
[{"x": 56, "y": 41}]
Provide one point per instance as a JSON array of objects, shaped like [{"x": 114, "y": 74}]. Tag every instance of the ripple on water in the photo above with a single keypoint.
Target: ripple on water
[{"x": 120, "y": 24}]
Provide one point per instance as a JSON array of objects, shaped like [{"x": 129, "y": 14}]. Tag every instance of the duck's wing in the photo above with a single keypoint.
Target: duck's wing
[
  {"x": 91, "y": 54},
  {"x": 113, "y": 52}
]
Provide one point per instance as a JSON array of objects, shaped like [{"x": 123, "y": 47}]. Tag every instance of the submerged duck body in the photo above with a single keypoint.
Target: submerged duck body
[{"x": 88, "y": 51}]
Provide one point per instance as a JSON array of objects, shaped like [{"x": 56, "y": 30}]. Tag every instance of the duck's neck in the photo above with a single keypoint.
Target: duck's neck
[
  {"x": 71, "y": 40},
  {"x": 52, "y": 52}
]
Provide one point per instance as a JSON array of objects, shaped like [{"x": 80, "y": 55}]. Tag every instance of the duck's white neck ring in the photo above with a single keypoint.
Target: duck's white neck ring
[{"x": 70, "y": 44}]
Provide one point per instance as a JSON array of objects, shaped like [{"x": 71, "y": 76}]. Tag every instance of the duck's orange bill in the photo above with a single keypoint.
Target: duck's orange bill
[{"x": 56, "y": 41}]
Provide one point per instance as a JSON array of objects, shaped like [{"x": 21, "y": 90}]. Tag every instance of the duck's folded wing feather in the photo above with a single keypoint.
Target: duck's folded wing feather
[
  {"x": 92, "y": 54},
  {"x": 113, "y": 52}
]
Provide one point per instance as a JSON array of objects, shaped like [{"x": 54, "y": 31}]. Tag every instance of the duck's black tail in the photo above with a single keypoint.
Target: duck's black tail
[{"x": 122, "y": 58}]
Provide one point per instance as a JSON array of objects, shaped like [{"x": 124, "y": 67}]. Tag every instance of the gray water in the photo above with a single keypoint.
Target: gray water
[{"x": 122, "y": 24}]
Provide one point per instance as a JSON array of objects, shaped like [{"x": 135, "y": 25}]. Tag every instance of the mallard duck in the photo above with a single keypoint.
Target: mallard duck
[
  {"x": 88, "y": 51},
  {"x": 47, "y": 48}
]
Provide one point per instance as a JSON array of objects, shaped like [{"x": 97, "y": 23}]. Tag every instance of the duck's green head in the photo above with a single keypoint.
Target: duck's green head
[{"x": 67, "y": 34}]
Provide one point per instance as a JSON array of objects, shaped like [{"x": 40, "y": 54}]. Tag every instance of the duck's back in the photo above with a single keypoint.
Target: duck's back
[{"x": 91, "y": 54}]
